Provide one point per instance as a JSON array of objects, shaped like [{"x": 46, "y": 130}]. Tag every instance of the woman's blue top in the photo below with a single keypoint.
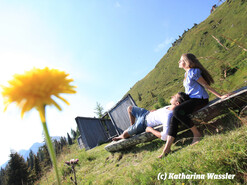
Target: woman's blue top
[{"x": 192, "y": 87}]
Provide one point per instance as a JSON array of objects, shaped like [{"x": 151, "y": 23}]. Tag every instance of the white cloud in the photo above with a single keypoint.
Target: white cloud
[{"x": 163, "y": 45}]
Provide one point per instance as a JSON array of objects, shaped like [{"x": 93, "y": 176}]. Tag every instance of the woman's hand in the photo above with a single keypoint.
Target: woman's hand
[{"x": 226, "y": 95}]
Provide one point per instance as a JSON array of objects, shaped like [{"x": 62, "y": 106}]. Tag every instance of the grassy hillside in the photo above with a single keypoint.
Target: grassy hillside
[
  {"x": 228, "y": 24},
  {"x": 219, "y": 154}
]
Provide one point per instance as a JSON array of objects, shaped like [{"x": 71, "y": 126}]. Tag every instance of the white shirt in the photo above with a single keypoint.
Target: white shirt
[{"x": 160, "y": 117}]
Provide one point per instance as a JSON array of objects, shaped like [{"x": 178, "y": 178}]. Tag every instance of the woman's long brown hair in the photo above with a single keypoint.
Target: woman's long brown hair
[{"x": 193, "y": 62}]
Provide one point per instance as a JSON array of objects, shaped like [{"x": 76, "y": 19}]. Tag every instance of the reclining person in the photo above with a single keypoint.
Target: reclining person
[{"x": 143, "y": 120}]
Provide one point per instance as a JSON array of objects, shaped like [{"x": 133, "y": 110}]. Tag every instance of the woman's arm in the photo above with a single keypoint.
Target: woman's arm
[{"x": 209, "y": 88}]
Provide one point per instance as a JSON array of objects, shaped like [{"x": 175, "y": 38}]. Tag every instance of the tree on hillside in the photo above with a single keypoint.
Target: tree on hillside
[
  {"x": 46, "y": 156},
  {"x": 77, "y": 131},
  {"x": 37, "y": 167},
  {"x": 99, "y": 110},
  {"x": 63, "y": 141},
  {"x": 17, "y": 171},
  {"x": 69, "y": 139},
  {"x": 40, "y": 154},
  {"x": 74, "y": 134},
  {"x": 57, "y": 147},
  {"x": 3, "y": 176},
  {"x": 31, "y": 160}
]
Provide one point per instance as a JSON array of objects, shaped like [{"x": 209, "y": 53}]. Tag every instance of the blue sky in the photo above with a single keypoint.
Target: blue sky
[{"x": 105, "y": 45}]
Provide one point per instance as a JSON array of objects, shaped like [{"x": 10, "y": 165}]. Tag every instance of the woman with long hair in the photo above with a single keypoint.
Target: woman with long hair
[{"x": 196, "y": 80}]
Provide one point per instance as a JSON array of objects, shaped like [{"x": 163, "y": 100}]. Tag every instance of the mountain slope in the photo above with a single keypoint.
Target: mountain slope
[
  {"x": 222, "y": 154},
  {"x": 228, "y": 25},
  {"x": 34, "y": 148}
]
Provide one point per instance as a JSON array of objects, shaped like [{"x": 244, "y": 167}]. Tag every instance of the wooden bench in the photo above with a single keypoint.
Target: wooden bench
[{"x": 215, "y": 108}]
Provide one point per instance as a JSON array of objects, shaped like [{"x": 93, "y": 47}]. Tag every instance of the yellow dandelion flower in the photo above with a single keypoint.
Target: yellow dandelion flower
[{"x": 35, "y": 89}]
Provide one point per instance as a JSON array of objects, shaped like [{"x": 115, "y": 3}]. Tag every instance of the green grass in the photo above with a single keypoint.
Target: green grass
[
  {"x": 229, "y": 20},
  {"x": 220, "y": 154}
]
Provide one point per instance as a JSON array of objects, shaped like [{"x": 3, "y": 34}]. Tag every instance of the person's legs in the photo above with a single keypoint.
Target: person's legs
[
  {"x": 196, "y": 135},
  {"x": 182, "y": 111},
  {"x": 180, "y": 114},
  {"x": 173, "y": 127},
  {"x": 124, "y": 135},
  {"x": 137, "y": 118},
  {"x": 137, "y": 128},
  {"x": 131, "y": 117}
]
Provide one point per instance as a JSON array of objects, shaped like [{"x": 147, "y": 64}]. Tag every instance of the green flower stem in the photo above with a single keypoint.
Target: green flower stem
[{"x": 51, "y": 150}]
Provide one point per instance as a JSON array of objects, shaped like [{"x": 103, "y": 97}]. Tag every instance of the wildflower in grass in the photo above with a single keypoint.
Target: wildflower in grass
[{"x": 36, "y": 89}]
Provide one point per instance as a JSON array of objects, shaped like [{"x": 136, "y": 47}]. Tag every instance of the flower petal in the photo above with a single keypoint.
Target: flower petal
[{"x": 61, "y": 98}]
